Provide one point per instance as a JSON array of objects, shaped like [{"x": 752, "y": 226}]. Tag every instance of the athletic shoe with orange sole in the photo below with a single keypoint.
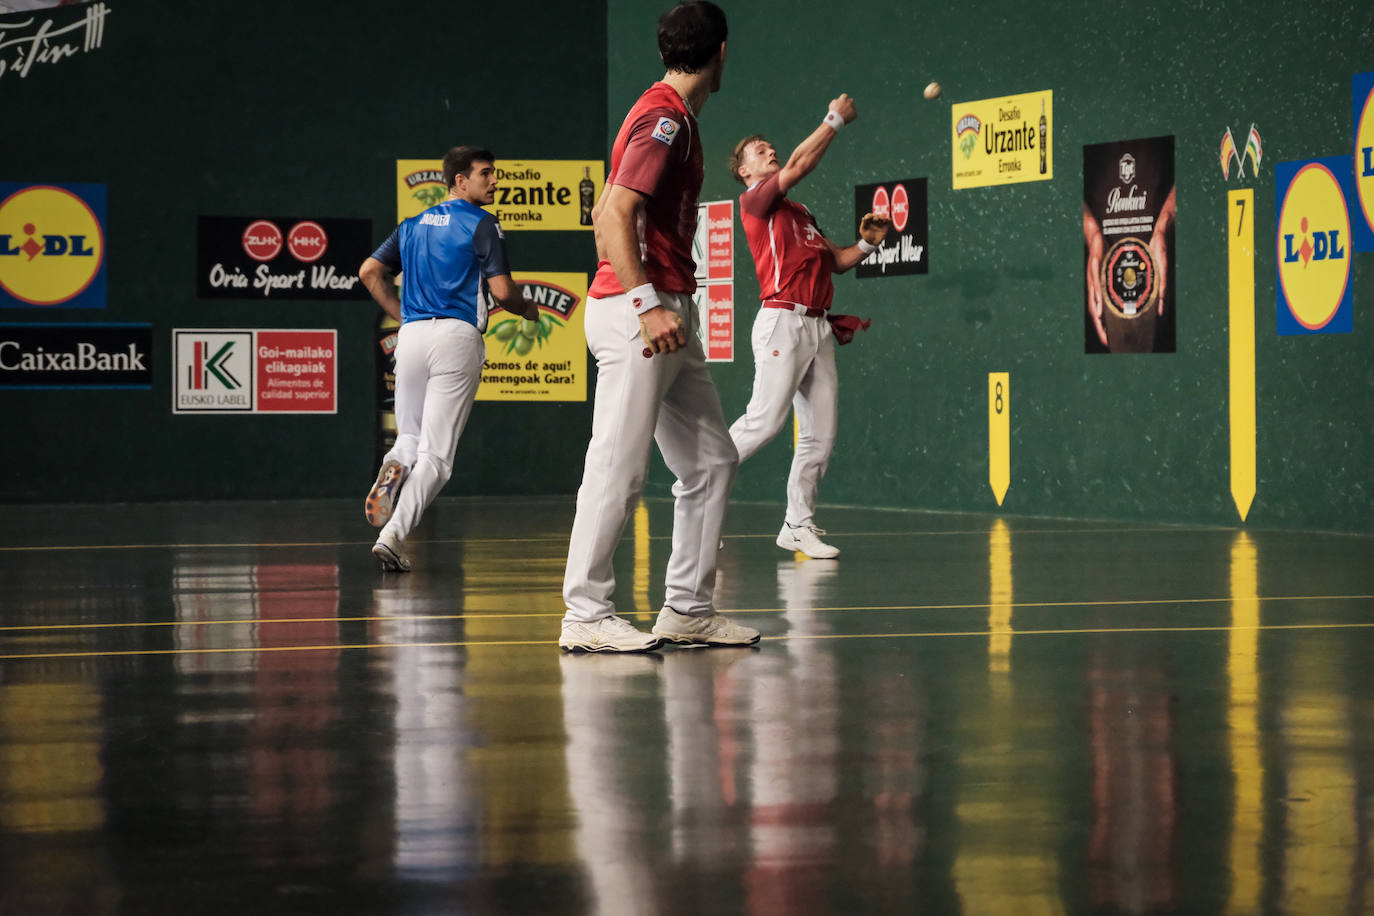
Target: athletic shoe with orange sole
[{"x": 382, "y": 498}]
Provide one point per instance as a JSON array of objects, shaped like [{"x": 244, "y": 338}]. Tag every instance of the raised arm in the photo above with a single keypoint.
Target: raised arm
[{"x": 808, "y": 153}]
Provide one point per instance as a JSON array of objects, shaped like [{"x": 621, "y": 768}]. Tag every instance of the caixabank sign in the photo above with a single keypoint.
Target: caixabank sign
[
  {"x": 75, "y": 355},
  {"x": 52, "y": 245},
  {"x": 281, "y": 257},
  {"x": 1313, "y": 245}
]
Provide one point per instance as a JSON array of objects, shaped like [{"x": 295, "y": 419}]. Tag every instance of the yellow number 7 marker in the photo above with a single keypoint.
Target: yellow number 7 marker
[{"x": 1240, "y": 246}]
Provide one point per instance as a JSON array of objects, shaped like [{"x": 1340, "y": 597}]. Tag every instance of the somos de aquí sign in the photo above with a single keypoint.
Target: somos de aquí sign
[{"x": 280, "y": 257}]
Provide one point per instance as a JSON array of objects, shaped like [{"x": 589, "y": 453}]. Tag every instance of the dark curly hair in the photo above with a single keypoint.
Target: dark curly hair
[{"x": 690, "y": 34}]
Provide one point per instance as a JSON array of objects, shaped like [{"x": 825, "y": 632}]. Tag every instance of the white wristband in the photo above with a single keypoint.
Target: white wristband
[
  {"x": 643, "y": 298},
  {"x": 868, "y": 247},
  {"x": 833, "y": 120}
]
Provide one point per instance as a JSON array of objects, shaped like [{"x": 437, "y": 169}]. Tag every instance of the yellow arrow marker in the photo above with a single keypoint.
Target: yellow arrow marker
[
  {"x": 999, "y": 433},
  {"x": 1240, "y": 244}
]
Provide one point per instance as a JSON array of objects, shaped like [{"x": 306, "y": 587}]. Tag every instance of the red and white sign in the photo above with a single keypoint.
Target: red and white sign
[
  {"x": 880, "y": 204},
  {"x": 720, "y": 241},
  {"x": 719, "y": 319},
  {"x": 296, "y": 371},
  {"x": 900, "y": 208},
  {"x": 262, "y": 240},
  {"x": 222, "y": 371},
  {"x": 307, "y": 241},
  {"x": 714, "y": 252}
]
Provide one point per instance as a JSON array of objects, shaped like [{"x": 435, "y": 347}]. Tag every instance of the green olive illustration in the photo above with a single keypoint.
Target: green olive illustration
[
  {"x": 504, "y": 331},
  {"x": 523, "y": 345}
]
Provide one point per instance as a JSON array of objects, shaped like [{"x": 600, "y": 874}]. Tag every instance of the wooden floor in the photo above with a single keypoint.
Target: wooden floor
[{"x": 226, "y": 708}]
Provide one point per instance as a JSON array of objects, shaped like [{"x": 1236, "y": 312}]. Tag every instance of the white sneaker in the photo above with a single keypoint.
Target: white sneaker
[
  {"x": 807, "y": 539},
  {"x": 381, "y": 499},
  {"x": 703, "y": 631},
  {"x": 609, "y": 634},
  {"x": 391, "y": 554}
]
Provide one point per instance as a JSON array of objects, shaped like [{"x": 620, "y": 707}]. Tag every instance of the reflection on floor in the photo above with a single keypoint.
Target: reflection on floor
[{"x": 229, "y": 708}]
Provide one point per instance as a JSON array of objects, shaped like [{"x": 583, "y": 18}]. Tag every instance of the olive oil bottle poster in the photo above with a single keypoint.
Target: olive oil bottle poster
[
  {"x": 1129, "y": 212},
  {"x": 543, "y": 359}
]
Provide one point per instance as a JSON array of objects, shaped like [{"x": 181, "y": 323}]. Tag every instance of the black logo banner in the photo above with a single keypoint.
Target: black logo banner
[
  {"x": 76, "y": 356},
  {"x": 281, "y": 257}
]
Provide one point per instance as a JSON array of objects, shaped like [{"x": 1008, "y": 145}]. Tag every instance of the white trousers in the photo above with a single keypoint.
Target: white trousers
[
  {"x": 794, "y": 367},
  {"x": 668, "y": 399},
  {"x": 438, "y": 368}
]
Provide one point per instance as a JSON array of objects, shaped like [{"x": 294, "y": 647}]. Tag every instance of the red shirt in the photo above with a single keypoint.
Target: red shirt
[
  {"x": 791, "y": 257},
  {"x": 658, "y": 153}
]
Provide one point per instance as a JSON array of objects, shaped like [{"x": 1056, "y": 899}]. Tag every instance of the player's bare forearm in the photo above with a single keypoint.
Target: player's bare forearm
[
  {"x": 847, "y": 258},
  {"x": 872, "y": 230},
  {"x": 617, "y": 237},
  {"x": 381, "y": 283},
  {"x": 508, "y": 295},
  {"x": 805, "y": 157}
]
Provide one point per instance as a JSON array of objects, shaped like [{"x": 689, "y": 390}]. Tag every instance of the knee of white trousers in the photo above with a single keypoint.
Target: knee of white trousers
[
  {"x": 441, "y": 469},
  {"x": 406, "y": 450}
]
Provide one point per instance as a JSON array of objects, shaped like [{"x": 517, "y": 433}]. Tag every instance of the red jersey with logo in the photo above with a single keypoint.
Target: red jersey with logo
[
  {"x": 791, "y": 257},
  {"x": 658, "y": 153}
]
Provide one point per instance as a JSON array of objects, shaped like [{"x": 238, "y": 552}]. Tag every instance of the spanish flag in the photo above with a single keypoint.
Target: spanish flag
[
  {"x": 1228, "y": 152},
  {"x": 1253, "y": 150}
]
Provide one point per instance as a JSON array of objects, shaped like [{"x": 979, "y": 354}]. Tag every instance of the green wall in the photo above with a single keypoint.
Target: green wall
[
  {"x": 1121, "y": 437},
  {"x": 302, "y": 108},
  {"x": 263, "y": 108}
]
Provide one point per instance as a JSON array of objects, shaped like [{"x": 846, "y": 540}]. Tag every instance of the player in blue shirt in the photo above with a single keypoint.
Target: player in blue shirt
[{"x": 453, "y": 267}]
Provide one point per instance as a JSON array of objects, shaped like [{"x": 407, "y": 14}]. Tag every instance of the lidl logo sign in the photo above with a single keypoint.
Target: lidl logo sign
[
  {"x": 1312, "y": 242},
  {"x": 52, "y": 246},
  {"x": 1362, "y": 105}
]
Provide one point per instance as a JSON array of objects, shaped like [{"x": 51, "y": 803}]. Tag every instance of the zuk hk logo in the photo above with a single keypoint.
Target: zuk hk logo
[
  {"x": 51, "y": 246},
  {"x": 1313, "y": 238}
]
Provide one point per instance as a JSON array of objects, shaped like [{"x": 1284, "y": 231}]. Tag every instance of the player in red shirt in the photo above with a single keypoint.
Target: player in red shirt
[
  {"x": 794, "y": 349},
  {"x": 662, "y": 392}
]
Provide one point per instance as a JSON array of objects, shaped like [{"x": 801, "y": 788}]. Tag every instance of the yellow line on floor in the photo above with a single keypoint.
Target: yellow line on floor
[
  {"x": 234, "y": 545},
  {"x": 470, "y": 644},
  {"x": 401, "y": 618}
]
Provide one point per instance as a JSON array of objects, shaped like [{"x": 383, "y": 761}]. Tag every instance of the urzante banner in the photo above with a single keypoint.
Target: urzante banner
[
  {"x": 1006, "y": 140},
  {"x": 537, "y": 194},
  {"x": 906, "y": 248},
  {"x": 75, "y": 355},
  {"x": 220, "y": 371},
  {"x": 1129, "y": 211},
  {"x": 281, "y": 257},
  {"x": 545, "y": 360},
  {"x": 52, "y": 245}
]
